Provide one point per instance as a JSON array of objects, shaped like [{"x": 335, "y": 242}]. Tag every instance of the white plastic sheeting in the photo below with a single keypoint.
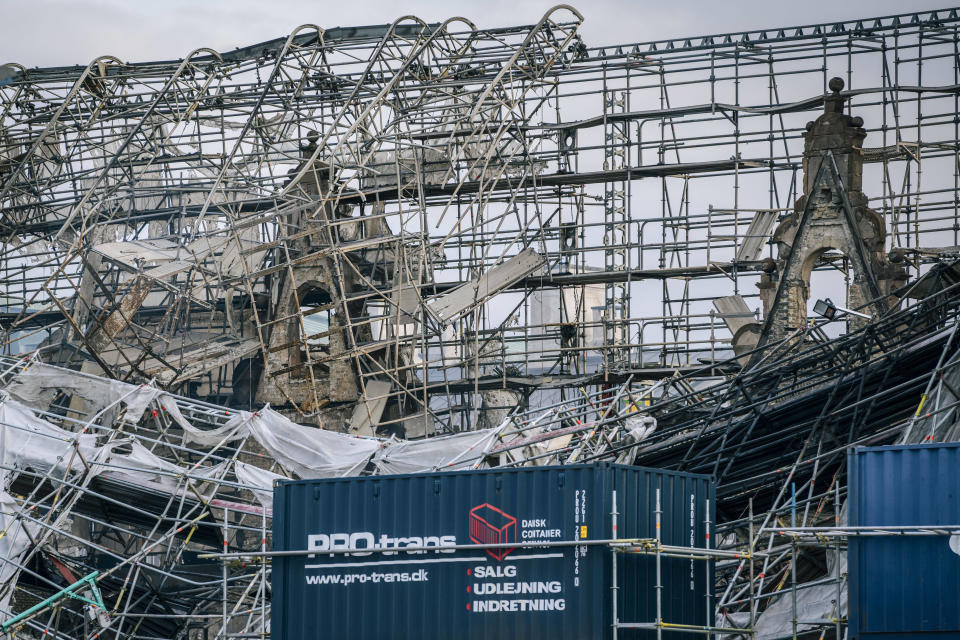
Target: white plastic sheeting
[
  {"x": 39, "y": 384},
  {"x": 129, "y": 460},
  {"x": 816, "y": 601},
  {"x": 262, "y": 479},
  {"x": 307, "y": 451},
  {"x": 445, "y": 453},
  {"x": 234, "y": 429},
  {"x": 638, "y": 428},
  {"x": 13, "y": 545},
  {"x": 299, "y": 451},
  {"x": 27, "y": 441}
]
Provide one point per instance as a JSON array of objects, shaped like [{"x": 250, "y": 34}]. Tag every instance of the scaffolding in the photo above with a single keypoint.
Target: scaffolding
[
  {"x": 454, "y": 247},
  {"x": 277, "y": 224}
]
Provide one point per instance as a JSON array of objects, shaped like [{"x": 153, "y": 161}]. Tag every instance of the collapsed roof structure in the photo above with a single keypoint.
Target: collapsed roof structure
[{"x": 432, "y": 246}]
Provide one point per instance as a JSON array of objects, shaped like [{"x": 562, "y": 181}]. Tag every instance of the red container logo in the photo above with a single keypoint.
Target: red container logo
[{"x": 489, "y": 525}]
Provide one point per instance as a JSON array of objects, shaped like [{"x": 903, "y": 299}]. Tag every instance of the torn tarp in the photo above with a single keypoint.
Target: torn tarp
[
  {"x": 234, "y": 429},
  {"x": 262, "y": 479},
  {"x": 38, "y": 386},
  {"x": 129, "y": 460},
  {"x": 14, "y": 543},
  {"x": 27, "y": 441},
  {"x": 307, "y": 451},
  {"x": 443, "y": 453}
]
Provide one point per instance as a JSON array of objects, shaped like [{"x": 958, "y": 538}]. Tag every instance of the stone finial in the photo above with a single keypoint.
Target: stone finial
[{"x": 834, "y": 103}]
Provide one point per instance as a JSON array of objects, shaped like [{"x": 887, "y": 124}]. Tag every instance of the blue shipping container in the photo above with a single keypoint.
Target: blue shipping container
[
  {"x": 555, "y": 592},
  {"x": 904, "y": 586}
]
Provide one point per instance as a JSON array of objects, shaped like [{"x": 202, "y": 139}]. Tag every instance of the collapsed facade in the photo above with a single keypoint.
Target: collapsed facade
[{"x": 431, "y": 246}]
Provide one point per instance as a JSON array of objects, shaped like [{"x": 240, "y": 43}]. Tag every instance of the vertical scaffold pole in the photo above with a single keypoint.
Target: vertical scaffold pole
[
  {"x": 263, "y": 569},
  {"x": 753, "y": 601},
  {"x": 226, "y": 548},
  {"x": 793, "y": 556},
  {"x": 614, "y": 535},
  {"x": 659, "y": 579},
  {"x": 836, "y": 560},
  {"x": 707, "y": 582}
]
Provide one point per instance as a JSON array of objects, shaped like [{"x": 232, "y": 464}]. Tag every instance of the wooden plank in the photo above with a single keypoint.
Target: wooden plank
[
  {"x": 367, "y": 413},
  {"x": 451, "y": 305},
  {"x": 734, "y": 312},
  {"x": 757, "y": 235}
]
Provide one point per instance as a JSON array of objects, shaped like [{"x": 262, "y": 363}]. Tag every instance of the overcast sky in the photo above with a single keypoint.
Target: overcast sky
[{"x": 52, "y": 32}]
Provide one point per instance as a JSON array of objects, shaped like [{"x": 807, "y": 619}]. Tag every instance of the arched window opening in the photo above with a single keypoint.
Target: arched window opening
[
  {"x": 829, "y": 278},
  {"x": 315, "y": 315}
]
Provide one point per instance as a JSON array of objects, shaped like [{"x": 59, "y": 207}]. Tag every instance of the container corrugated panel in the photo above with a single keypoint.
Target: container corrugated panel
[
  {"x": 550, "y": 592},
  {"x": 904, "y": 586}
]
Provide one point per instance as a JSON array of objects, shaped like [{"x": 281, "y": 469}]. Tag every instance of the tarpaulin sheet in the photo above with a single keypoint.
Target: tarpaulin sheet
[
  {"x": 444, "y": 453},
  {"x": 13, "y": 546},
  {"x": 27, "y": 441},
  {"x": 39, "y": 384}
]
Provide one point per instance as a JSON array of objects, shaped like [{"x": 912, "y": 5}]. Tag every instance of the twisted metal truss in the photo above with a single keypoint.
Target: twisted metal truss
[{"x": 249, "y": 226}]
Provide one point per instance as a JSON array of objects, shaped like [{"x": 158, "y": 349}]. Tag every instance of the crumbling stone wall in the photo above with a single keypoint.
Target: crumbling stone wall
[
  {"x": 284, "y": 354},
  {"x": 821, "y": 222}
]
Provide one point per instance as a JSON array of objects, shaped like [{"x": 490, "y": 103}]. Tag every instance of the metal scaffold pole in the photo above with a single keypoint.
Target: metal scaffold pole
[{"x": 427, "y": 247}]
